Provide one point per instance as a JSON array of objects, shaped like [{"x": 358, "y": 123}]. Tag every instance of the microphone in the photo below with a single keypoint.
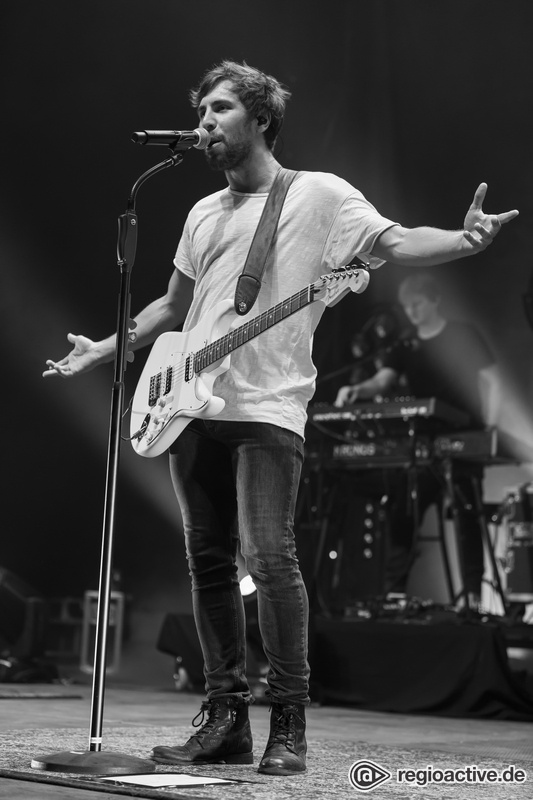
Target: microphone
[
  {"x": 408, "y": 338},
  {"x": 180, "y": 140}
]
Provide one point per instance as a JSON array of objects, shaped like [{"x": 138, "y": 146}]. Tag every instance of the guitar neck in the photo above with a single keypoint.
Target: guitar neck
[{"x": 235, "y": 338}]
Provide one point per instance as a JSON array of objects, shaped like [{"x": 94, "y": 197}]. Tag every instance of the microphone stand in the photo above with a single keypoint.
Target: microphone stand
[{"x": 93, "y": 760}]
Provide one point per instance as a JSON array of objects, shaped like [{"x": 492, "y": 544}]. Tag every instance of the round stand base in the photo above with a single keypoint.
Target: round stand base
[{"x": 93, "y": 763}]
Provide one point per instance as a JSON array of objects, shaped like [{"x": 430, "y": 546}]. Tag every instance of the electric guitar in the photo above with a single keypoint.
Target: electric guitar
[{"x": 177, "y": 380}]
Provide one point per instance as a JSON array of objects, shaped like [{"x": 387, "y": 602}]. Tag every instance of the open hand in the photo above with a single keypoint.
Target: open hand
[{"x": 81, "y": 358}]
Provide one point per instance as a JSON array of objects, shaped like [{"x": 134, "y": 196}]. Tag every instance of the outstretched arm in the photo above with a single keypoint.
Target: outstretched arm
[
  {"x": 161, "y": 315},
  {"x": 426, "y": 247}
]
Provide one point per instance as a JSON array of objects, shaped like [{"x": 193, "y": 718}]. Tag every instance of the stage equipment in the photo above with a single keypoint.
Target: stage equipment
[
  {"x": 340, "y": 536},
  {"x": 177, "y": 140},
  {"x": 429, "y": 664},
  {"x": 179, "y": 638},
  {"x": 22, "y": 617},
  {"x": 247, "y": 586},
  {"x": 374, "y": 418},
  {"x": 94, "y": 760},
  {"x": 350, "y": 557},
  {"x": 514, "y": 518},
  {"x": 402, "y": 432},
  {"x": 115, "y": 631},
  {"x": 407, "y": 434}
]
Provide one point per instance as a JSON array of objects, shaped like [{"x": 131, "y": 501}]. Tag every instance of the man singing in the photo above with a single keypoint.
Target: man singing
[{"x": 236, "y": 476}]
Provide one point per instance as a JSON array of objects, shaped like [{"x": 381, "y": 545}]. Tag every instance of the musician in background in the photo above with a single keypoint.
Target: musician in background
[{"x": 449, "y": 360}]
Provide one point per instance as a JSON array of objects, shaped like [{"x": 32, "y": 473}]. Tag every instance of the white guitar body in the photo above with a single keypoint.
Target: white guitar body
[
  {"x": 187, "y": 398},
  {"x": 176, "y": 384}
]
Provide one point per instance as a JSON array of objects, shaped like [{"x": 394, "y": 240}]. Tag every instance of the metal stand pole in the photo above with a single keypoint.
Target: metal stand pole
[{"x": 93, "y": 760}]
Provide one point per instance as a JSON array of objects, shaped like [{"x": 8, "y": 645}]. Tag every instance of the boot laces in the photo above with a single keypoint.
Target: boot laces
[
  {"x": 285, "y": 729},
  {"x": 213, "y": 715}
]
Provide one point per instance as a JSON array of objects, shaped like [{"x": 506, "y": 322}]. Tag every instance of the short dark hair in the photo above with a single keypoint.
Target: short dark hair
[{"x": 257, "y": 91}]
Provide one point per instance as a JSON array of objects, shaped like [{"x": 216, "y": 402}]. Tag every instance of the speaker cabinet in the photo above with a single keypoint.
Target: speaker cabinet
[{"x": 342, "y": 544}]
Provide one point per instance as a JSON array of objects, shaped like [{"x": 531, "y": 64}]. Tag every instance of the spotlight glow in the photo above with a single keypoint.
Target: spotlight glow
[
  {"x": 247, "y": 586},
  {"x": 84, "y": 402}
]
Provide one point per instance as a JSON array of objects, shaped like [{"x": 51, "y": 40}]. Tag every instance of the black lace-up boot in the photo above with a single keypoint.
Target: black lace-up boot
[
  {"x": 225, "y": 738},
  {"x": 286, "y": 747}
]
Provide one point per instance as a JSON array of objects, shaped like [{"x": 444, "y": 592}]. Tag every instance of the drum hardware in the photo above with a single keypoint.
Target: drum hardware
[{"x": 514, "y": 518}]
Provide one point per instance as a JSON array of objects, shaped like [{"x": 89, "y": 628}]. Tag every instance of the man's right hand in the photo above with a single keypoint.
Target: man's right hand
[
  {"x": 83, "y": 357},
  {"x": 346, "y": 394}
]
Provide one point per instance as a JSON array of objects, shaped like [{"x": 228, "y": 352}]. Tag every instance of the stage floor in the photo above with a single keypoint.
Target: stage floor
[
  {"x": 135, "y": 705},
  {"x": 141, "y": 697},
  {"x": 468, "y": 741}
]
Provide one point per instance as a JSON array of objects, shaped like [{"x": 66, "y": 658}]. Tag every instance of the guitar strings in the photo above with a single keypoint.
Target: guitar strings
[
  {"x": 221, "y": 347},
  {"x": 224, "y": 345}
]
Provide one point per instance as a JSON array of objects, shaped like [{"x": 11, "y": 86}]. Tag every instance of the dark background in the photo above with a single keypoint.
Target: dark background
[{"x": 414, "y": 102}]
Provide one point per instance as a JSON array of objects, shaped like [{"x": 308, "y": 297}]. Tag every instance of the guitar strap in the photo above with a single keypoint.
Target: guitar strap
[{"x": 249, "y": 281}]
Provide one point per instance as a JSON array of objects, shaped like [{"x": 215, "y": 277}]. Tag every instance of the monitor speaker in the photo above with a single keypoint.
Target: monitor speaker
[{"x": 178, "y": 637}]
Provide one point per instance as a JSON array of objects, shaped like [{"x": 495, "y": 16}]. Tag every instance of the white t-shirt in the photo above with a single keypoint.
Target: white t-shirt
[{"x": 324, "y": 223}]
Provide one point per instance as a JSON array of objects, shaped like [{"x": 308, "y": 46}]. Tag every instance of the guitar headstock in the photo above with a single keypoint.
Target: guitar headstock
[{"x": 332, "y": 287}]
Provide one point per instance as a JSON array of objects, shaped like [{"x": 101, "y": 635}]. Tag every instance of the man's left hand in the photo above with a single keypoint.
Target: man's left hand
[{"x": 480, "y": 228}]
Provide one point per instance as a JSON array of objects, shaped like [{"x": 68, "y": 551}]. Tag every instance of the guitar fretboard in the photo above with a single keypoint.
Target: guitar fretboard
[{"x": 238, "y": 336}]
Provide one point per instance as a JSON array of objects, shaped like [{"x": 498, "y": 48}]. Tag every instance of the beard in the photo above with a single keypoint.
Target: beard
[{"x": 231, "y": 156}]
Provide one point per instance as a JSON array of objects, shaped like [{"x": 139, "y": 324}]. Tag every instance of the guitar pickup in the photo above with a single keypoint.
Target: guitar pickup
[
  {"x": 169, "y": 374},
  {"x": 155, "y": 389},
  {"x": 189, "y": 368},
  {"x": 156, "y": 382}
]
